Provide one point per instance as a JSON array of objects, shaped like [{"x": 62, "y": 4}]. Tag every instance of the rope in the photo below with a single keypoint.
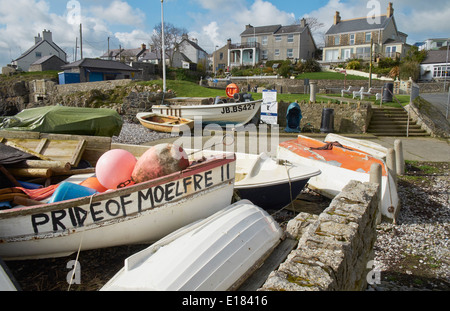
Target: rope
[
  {"x": 79, "y": 249},
  {"x": 290, "y": 191}
]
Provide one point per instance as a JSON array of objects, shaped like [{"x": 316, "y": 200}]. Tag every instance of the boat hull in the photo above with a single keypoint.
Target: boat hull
[
  {"x": 169, "y": 124},
  {"x": 232, "y": 113},
  {"x": 339, "y": 166},
  {"x": 215, "y": 254},
  {"x": 266, "y": 183},
  {"x": 142, "y": 213}
]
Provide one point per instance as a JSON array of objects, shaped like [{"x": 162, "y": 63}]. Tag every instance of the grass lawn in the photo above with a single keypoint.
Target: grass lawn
[{"x": 326, "y": 75}]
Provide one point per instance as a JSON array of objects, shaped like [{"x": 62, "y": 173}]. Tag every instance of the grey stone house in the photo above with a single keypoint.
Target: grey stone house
[
  {"x": 44, "y": 46},
  {"x": 351, "y": 39},
  {"x": 50, "y": 62},
  {"x": 264, "y": 43}
]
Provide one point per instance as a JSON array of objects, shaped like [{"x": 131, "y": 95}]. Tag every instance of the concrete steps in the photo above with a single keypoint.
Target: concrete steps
[{"x": 393, "y": 122}]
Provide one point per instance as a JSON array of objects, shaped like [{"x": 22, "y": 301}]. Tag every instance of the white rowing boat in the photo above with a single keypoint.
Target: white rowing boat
[{"x": 215, "y": 254}]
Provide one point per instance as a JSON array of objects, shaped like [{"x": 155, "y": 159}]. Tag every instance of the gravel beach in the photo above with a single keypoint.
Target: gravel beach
[{"x": 410, "y": 255}]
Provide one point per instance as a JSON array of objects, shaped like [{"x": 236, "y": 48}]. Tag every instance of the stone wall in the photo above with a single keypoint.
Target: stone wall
[
  {"x": 334, "y": 248},
  {"x": 348, "y": 118},
  {"x": 67, "y": 89}
]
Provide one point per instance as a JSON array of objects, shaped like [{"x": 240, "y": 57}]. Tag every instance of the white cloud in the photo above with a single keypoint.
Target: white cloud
[{"x": 119, "y": 12}]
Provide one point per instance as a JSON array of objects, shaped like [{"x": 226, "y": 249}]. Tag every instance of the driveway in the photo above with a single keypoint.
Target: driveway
[{"x": 439, "y": 100}]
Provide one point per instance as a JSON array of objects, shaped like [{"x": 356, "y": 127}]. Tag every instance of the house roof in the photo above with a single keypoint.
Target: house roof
[
  {"x": 124, "y": 52},
  {"x": 359, "y": 24},
  {"x": 290, "y": 29},
  {"x": 261, "y": 30},
  {"x": 99, "y": 64},
  {"x": 436, "y": 57},
  {"x": 54, "y": 45},
  {"x": 195, "y": 45},
  {"x": 45, "y": 58}
]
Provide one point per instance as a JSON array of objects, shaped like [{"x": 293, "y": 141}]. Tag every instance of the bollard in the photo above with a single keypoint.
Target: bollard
[
  {"x": 313, "y": 91},
  {"x": 375, "y": 177},
  {"x": 390, "y": 162},
  {"x": 399, "y": 160}
]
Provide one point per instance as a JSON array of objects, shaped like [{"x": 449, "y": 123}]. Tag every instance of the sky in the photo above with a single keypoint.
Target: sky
[{"x": 130, "y": 23}]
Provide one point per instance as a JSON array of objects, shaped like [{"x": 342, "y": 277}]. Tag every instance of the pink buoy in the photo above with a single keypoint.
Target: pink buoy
[
  {"x": 158, "y": 161},
  {"x": 114, "y": 168}
]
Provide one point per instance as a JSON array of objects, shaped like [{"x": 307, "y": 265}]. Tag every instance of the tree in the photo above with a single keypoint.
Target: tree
[{"x": 173, "y": 37}]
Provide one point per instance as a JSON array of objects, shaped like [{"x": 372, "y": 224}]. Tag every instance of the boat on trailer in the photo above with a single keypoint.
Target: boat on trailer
[
  {"x": 339, "y": 165},
  {"x": 215, "y": 254},
  {"x": 140, "y": 213},
  {"x": 164, "y": 123}
]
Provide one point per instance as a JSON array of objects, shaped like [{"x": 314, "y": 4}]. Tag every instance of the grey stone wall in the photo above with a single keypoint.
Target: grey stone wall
[
  {"x": 334, "y": 248},
  {"x": 348, "y": 117}
]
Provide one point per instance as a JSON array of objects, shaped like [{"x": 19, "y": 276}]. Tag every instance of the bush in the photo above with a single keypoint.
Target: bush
[
  {"x": 354, "y": 65},
  {"x": 388, "y": 63},
  {"x": 410, "y": 69},
  {"x": 310, "y": 65}
]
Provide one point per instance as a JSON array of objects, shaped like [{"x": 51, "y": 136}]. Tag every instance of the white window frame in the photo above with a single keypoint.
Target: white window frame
[
  {"x": 265, "y": 54},
  {"x": 278, "y": 38},
  {"x": 290, "y": 38},
  {"x": 337, "y": 40},
  {"x": 290, "y": 53},
  {"x": 277, "y": 52},
  {"x": 352, "y": 39},
  {"x": 368, "y": 34},
  {"x": 265, "y": 40}
]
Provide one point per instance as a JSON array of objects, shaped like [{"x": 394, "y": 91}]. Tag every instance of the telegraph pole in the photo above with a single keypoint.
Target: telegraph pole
[
  {"x": 163, "y": 47},
  {"x": 81, "y": 40}
]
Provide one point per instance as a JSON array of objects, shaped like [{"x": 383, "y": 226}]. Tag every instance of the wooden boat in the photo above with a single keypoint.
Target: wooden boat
[
  {"x": 163, "y": 123},
  {"x": 339, "y": 165},
  {"x": 267, "y": 183},
  {"x": 222, "y": 114},
  {"x": 215, "y": 254},
  {"x": 141, "y": 213},
  {"x": 7, "y": 280}
]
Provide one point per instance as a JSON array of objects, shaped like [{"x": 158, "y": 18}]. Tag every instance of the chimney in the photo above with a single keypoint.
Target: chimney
[
  {"x": 337, "y": 18},
  {"x": 303, "y": 23},
  {"x": 248, "y": 26},
  {"x": 37, "y": 39},
  {"x": 229, "y": 43},
  {"x": 390, "y": 10},
  {"x": 143, "y": 47},
  {"x": 47, "y": 35}
]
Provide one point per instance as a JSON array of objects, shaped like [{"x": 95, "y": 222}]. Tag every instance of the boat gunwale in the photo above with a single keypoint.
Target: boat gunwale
[
  {"x": 205, "y": 106},
  {"x": 45, "y": 207}
]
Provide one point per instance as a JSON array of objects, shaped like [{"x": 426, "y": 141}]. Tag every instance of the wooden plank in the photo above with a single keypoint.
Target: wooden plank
[
  {"x": 278, "y": 256},
  {"x": 41, "y": 145},
  {"x": 78, "y": 152},
  {"x": 25, "y": 149},
  {"x": 18, "y": 134}
]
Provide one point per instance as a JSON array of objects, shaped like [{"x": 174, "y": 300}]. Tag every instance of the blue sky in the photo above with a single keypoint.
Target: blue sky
[{"x": 130, "y": 23}]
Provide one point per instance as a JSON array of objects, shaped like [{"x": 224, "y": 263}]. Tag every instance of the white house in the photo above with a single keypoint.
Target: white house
[
  {"x": 43, "y": 46},
  {"x": 189, "y": 52},
  {"x": 435, "y": 66}
]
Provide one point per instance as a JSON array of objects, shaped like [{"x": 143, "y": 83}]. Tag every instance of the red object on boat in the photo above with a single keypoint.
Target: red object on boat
[
  {"x": 231, "y": 90},
  {"x": 158, "y": 161}
]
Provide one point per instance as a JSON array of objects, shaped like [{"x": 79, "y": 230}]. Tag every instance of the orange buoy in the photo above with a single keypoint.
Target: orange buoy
[
  {"x": 231, "y": 90},
  {"x": 158, "y": 161},
  {"x": 93, "y": 183}
]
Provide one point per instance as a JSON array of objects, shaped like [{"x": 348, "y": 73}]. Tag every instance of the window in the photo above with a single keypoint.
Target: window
[
  {"x": 290, "y": 38},
  {"x": 277, "y": 38},
  {"x": 439, "y": 72},
  {"x": 337, "y": 40},
  {"x": 368, "y": 36},
  {"x": 265, "y": 54},
  {"x": 331, "y": 55},
  {"x": 277, "y": 52},
  {"x": 290, "y": 53},
  {"x": 38, "y": 54},
  {"x": 251, "y": 40},
  {"x": 264, "y": 40},
  {"x": 352, "y": 39},
  {"x": 391, "y": 51},
  {"x": 221, "y": 56}
]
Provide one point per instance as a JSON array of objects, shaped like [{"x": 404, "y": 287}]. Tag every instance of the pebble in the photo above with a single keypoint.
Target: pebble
[{"x": 136, "y": 134}]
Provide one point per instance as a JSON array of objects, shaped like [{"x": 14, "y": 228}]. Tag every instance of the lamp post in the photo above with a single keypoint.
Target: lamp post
[{"x": 163, "y": 44}]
